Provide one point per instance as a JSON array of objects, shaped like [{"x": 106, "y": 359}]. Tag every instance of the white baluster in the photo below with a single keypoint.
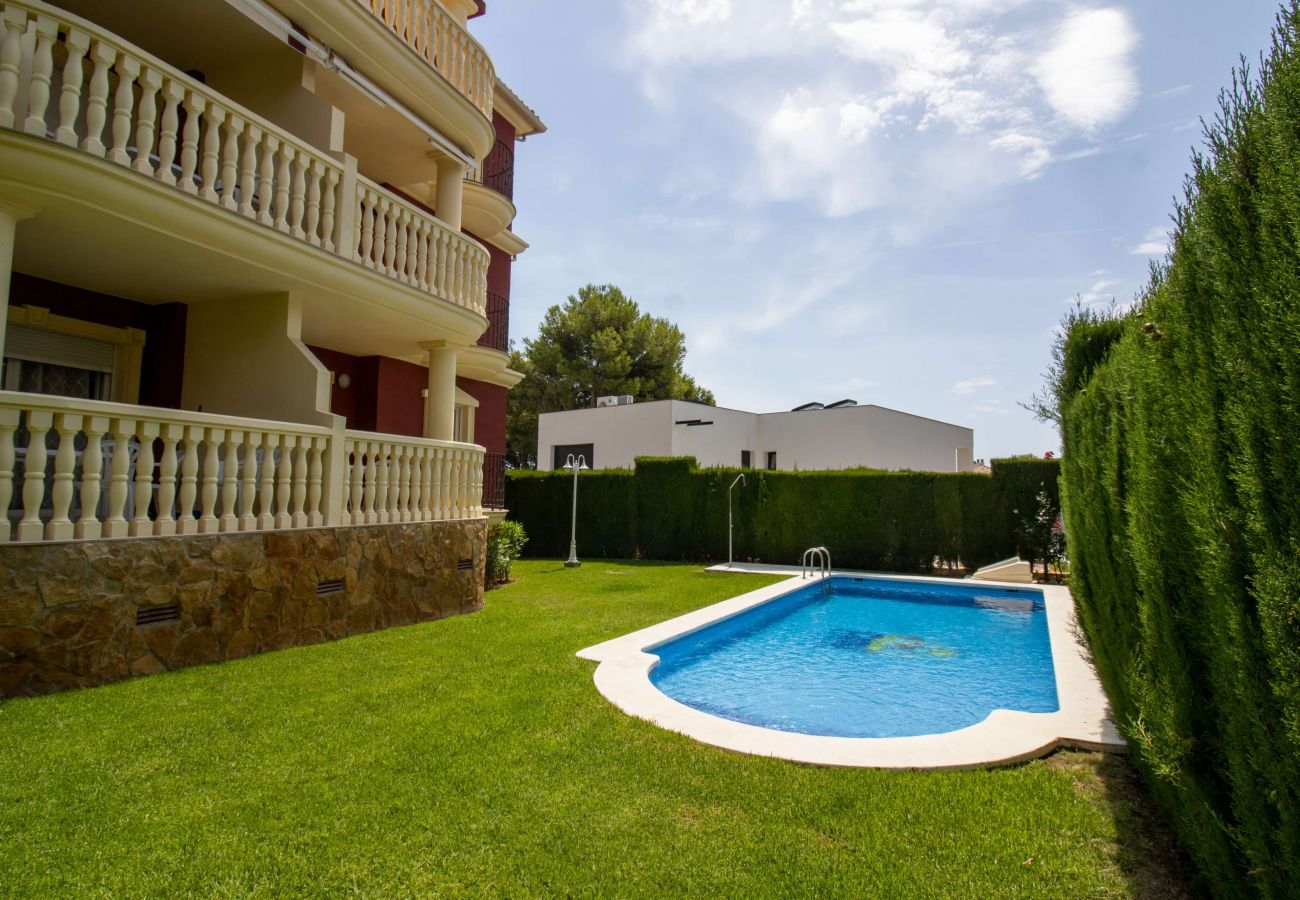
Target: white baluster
[
  {"x": 11, "y": 58},
  {"x": 372, "y": 482},
  {"x": 213, "y": 121},
  {"x": 298, "y": 500},
  {"x": 248, "y": 171},
  {"x": 230, "y": 482},
  {"x": 102, "y": 56},
  {"x": 150, "y": 82},
  {"x": 417, "y": 484},
  {"x": 208, "y": 521},
  {"x": 440, "y": 269},
  {"x": 356, "y": 494},
  {"x": 422, "y": 255},
  {"x": 298, "y": 195},
  {"x": 59, "y": 528},
  {"x": 403, "y": 239},
  {"x": 77, "y": 43},
  {"x": 329, "y": 201},
  {"x": 172, "y": 94},
  {"x": 284, "y": 482},
  {"x": 437, "y": 506},
  {"x": 266, "y": 182},
  {"x": 38, "y": 88},
  {"x": 367, "y": 218},
  {"x": 390, "y": 237},
  {"x": 313, "y": 202},
  {"x": 92, "y": 466},
  {"x": 381, "y": 229},
  {"x": 164, "y": 522},
  {"x": 8, "y": 427},
  {"x": 186, "y": 523},
  {"x": 282, "y": 178},
  {"x": 119, "y": 478},
  {"x": 123, "y": 103},
  {"x": 403, "y": 484},
  {"x": 38, "y": 424},
  {"x": 230, "y": 163},
  {"x": 194, "y": 106},
  {"x": 248, "y": 487},
  {"x": 266, "y": 485},
  {"x": 141, "y": 524},
  {"x": 315, "y": 490},
  {"x": 381, "y": 488}
]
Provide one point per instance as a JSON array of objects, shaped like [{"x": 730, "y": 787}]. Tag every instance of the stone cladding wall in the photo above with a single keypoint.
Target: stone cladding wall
[{"x": 68, "y": 612}]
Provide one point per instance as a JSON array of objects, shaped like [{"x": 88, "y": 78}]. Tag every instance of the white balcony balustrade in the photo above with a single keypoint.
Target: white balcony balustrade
[
  {"x": 429, "y": 30},
  {"x": 68, "y": 80},
  {"x": 84, "y": 470}
]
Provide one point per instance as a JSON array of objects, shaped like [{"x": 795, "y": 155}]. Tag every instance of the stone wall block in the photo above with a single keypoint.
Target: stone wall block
[{"x": 68, "y": 611}]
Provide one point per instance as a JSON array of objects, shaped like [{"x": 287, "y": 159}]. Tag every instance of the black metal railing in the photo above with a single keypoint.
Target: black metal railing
[
  {"x": 499, "y": 170},
  {"x": 497, "y": 335},
  {"x": 494, "y": 480}
]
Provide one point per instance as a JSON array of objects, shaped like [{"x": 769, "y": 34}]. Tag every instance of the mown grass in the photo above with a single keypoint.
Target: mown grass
[{"x": 474, "y": 757}]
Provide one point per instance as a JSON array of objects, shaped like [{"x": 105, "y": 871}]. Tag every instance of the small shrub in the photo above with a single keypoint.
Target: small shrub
[{"x": 505, "y": 544}]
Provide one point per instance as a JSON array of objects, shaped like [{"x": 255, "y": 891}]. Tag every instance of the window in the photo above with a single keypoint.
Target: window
[
  {"x": 46, "y": 362},
  {"x": 771, "y": 459},
  {"x": 745, "y": 461}
]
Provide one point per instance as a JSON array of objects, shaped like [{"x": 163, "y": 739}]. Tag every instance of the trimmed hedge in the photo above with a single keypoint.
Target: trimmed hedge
[
  {"x": 1020, "y": 481},
  {"x": 669, "y": 509},
  {"x": 1181, "y": 488}
]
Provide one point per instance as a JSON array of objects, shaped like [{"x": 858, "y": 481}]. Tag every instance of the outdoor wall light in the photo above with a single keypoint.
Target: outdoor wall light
[
  {"x": 576, "y": 465},
  {"x": 344, "y": 381}
]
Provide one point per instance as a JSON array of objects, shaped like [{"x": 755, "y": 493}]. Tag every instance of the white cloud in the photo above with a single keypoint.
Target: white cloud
[
  {"x": 1155, "y": 243},
  {"x": 851, "y": 105},
  {"x": 1098, "y": 293},
  {"x": 1088, "y": 74},
  {"x": 972, "y": 385}
]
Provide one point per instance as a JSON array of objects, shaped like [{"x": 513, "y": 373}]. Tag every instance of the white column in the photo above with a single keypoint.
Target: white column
[
  {"x": 440, "y": 405},
  {"x": 10, "y": 215},
  {"x": 451, "y": 190}
]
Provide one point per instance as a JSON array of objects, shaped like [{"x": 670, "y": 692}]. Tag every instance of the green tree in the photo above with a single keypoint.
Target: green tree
[{"x": 599, "y": 342}]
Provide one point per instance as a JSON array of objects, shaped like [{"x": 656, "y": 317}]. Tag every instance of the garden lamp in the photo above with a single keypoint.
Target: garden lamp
[{"x": 576, "y": 464}]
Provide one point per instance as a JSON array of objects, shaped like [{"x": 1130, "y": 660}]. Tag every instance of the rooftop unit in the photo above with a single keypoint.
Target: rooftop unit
[{"x": 614, "y": 400}]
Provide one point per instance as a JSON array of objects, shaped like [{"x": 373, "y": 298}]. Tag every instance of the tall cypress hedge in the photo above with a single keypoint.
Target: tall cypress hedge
[
  {"x": 671, "y": 510},
  {"x": 1181, "y": 492}
]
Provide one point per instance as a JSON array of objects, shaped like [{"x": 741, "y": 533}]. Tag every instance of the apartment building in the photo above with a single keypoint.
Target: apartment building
[{"x": 254, "y": 282}]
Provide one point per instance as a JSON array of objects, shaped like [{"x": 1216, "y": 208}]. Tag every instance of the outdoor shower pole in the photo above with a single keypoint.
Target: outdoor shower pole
[{"x": 740, "y": 478}]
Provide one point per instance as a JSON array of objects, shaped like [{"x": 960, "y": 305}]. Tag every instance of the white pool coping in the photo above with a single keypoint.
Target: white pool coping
[{"x": 1005, "y": 736}]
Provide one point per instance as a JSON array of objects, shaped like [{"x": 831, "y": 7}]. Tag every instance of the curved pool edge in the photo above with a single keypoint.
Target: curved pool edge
[{"x": 1004, "y": 737}]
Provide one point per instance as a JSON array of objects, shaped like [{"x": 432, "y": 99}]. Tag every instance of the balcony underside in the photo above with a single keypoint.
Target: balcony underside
[
  {"x": 109, "y": 229},
  {"x": 486, "y": 212}
]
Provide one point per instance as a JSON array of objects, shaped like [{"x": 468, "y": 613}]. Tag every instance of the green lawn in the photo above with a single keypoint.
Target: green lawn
[{"x": 473, "y": 756}]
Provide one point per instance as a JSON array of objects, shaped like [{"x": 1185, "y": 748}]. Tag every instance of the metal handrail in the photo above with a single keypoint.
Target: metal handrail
[{"x": 819, "y": 557}]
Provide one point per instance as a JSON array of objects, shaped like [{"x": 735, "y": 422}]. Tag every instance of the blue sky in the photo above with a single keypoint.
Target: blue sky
[{"x": 889, "y": 200}]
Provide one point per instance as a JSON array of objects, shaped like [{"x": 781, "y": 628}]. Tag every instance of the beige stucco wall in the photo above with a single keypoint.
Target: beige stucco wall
[
  {"x": 245, "y": 357},
  {"x": 619, "y": 433}
]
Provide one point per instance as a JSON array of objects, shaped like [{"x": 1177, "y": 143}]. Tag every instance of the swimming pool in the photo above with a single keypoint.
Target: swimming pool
[
  {"x": 866, "y": 657},
  {"x": 868, "y": 670}
]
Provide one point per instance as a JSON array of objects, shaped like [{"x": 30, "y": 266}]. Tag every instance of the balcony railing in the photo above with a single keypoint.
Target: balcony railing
[
  {"x": 497, "y": 170},
  {"x": 81, "y": 469},
  {"x": 428, "y": 29},
  {"x": 169, "y": 127},
  {"x": 494, "y": 481},
  {"x": 497, "y": 336}
]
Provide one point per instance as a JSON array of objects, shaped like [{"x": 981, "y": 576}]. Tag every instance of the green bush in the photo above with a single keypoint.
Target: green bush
[
  {"x": 1181, "y": 490},
  {"x": 1021, "y": 482},
  {"x": 670, "y": 509},
  {"x": 505, "y": 544}
]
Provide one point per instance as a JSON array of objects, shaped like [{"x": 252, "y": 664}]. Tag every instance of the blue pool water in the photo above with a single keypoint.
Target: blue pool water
[{"x": 868, "y": 657}]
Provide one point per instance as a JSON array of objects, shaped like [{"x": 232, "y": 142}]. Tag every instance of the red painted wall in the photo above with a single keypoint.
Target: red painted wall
[
  {"x": 490, "y": 417},
  {"x": 498, "y": 275},
  {"x": 505, "y": 131},
  {"x": 384, "y": 396}
]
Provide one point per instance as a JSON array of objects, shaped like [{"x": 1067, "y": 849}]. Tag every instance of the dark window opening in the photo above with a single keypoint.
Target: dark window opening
[
  {"x": 771, "y": 459},
  {"x": 746, "y": 462},
  {"x": 563, "y": 451}
]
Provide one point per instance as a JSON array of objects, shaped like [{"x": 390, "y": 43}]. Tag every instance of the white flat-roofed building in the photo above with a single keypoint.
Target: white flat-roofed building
[{"x": 842, "y": 435}]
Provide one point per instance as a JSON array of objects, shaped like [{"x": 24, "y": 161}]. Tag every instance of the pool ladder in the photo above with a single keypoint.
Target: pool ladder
[{"x": 816, "y": 562}]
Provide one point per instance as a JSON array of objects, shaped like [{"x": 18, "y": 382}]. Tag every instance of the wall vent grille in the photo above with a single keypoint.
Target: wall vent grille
[
  {"x": 325, "y": 588},
  {"x": 464, "y": 565},
  {"x": 158, "y": 614}
]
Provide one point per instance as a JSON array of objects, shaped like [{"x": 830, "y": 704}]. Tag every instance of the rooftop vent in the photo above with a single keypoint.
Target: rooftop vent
[
  {"x": 614, "y": 400},
  {"x": 839, "y": 404},
  {"x": 808, "y": 406}
]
